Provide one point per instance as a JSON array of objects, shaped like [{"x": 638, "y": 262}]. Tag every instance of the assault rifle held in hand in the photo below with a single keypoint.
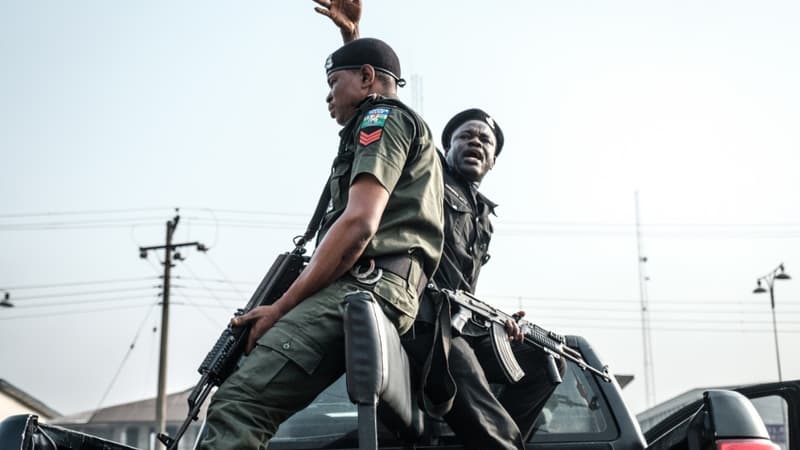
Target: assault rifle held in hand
[
  {"x": 223, "y": 358},
  {"x": 474, "y": 311}
]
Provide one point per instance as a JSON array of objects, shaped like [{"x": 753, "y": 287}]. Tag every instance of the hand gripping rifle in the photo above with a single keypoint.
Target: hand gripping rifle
[
  {"x": 223, "y": 358},
  {"x": 474, "y": 311}
]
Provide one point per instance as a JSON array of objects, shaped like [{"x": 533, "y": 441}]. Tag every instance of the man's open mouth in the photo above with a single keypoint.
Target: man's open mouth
[{"x": 473, "y": 154}]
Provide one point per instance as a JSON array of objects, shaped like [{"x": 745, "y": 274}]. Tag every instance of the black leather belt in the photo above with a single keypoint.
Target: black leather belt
[{"x": 399, "y": 265}]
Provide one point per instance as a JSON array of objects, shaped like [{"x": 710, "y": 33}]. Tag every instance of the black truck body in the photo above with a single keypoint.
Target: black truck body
[{"x": 585, "y": 412}]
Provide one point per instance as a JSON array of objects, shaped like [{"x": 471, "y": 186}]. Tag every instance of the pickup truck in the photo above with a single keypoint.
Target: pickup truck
[{"x": 585, "y": 412}]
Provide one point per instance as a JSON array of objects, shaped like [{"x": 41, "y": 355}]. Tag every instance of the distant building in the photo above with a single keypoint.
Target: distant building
[
  {"x": 772, "y": 410},
  {"x": 134, "y": 423},
  {"x": 14, "y": 400}
]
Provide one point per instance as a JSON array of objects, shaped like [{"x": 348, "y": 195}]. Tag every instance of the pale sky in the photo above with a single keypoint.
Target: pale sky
[{"x": 113, "y": 113}]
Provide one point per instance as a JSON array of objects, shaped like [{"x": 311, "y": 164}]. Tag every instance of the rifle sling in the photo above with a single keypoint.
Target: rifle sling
[
  {"x": 319, "y": 213},
  {"x": 439, "y": 387}
]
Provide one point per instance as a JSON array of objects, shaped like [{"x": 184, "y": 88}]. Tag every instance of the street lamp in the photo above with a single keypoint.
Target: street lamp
[{"x": 769, "y": 279}]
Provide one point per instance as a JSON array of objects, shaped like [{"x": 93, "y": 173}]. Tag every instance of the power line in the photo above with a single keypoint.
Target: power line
[
  {"x": 124, "y": 359},
  {"x": 81, "y": 212},
  {"x": 660, "y": 311},
  {"x": 251, "y": 212},
  {"x": 217, "y": 325},
  {"x": 716, "y": 320},
  {"x": 224, "y": 277},
  {"x": 250, "y": 224},
  {"x": 669, "y": 329},
  {"x": 501, "y": 223},
  {"x": 630, "y": 301},
  {"x": 69, "y": 313},
  {"x": 191, "y": 272},
  {"x": 76, "y": 283},
  {"x": 75, "y": 226},
  {"x": 82, "y": 302},
  {"x": 216, "y": 297},
  {"x": 215, "y": 289},
  {"x": 72, "y": 294},
  {"x": 217, "y": 280}
]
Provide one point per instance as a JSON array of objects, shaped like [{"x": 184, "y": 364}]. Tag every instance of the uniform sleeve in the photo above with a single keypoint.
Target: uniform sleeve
[{"x": 383, "y": 140}]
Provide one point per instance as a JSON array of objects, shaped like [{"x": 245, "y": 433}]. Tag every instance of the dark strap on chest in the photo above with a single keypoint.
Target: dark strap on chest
[
  {"x": 316, "y": 219},
  {"x": 325, "y": 196}
]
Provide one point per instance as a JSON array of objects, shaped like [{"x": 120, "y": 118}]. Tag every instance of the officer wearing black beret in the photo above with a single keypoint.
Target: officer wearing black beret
[
  {"x": 382, "y": 234},
  {"x": 472, "y": 141},
  {"x": 363, "y": 51}
]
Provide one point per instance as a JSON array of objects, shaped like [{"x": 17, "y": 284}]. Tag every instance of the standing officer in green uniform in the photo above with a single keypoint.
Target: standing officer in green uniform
[
  {"x": 472, "y": 141},
  {"x": 382, "y": 233}
]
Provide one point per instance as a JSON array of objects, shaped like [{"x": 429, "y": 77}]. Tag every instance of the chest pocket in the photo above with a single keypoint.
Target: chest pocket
[
  {"x": 455, "y": 201},
  {"x": 459, "y": 214},
  {"x": 484, "y": 237},
  {"x": 340, "y": 181}
]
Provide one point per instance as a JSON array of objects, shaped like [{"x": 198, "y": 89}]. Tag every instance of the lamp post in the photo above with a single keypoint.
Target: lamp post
[{"x": 769, "y": 279}]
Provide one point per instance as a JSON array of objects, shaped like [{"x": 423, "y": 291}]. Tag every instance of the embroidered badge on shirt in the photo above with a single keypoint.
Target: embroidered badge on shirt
[
  {"x": 375, "y": 118},
  {"x": 365, "y": 138}
]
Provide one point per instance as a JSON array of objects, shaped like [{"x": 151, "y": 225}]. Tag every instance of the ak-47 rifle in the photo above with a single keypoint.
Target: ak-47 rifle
[
  {"x": 223, "y": 358},
  {"x": 476, "y": 312}
]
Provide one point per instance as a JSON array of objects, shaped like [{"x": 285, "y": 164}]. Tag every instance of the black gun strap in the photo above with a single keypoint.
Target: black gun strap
[
  {"x": 325, "y": 197},
  {"x": 319, "y": 213},
  {"x": 439, "y": 387}
]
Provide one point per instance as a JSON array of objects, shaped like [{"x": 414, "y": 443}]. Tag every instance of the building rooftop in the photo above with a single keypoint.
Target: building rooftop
[
  {"x": 138, "y": 411},
  {"x": 28, "y": 400}
]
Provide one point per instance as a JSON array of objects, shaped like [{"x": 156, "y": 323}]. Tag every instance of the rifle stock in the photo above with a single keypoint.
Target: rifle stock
[
  {"x": 483, "y": 315},
  {"x": 224, "y": 357}
]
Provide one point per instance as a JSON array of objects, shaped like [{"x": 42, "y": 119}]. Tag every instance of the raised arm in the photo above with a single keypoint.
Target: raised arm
[{"x": 346, "y": 14}]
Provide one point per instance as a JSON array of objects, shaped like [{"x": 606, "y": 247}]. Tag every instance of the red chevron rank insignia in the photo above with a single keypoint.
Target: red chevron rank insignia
[{"x": 365, "y": 138}]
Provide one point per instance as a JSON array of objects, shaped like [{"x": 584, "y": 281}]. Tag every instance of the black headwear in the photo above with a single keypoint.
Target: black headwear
[
  {"x": 472, "y": 114},
  {"x": 362, "y": 51}
]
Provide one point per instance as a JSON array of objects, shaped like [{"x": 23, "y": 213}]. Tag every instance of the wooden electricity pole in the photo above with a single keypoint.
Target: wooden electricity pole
[{"x": 169, "y": 247}]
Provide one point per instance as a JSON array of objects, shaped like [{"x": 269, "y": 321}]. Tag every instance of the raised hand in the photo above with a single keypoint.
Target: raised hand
[{"x": 346, "y": 14}]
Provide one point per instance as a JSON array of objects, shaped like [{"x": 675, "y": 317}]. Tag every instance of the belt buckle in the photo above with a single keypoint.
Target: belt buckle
[{"x": 370, "y": 275}]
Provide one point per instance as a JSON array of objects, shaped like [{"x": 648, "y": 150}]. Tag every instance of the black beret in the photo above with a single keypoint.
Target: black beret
[
  {"x": 362, "y": 51},
  {"x": 472, "y": 114}
]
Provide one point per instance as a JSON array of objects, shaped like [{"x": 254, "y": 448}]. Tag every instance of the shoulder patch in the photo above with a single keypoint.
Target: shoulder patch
[
  {"x": 368, "y": 137},
  {"x": 375, "y": 118}
]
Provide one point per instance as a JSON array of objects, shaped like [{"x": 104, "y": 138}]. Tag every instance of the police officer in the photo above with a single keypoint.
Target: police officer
[
  {"x": 472, "y": 141},
  {"x": 382, "y": 233}
]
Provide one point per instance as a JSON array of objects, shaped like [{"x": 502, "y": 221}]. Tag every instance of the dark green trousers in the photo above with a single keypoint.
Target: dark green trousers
[{"x": 291, "y": 364}]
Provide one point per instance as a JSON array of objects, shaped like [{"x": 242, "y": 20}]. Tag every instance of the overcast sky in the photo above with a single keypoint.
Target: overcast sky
[{"x": 114, "y": 113}]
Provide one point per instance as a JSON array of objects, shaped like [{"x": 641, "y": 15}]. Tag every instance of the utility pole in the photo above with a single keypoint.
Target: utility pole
[
  {"x": 649, "y": 375},
  {"x": 169, "y": 247}
]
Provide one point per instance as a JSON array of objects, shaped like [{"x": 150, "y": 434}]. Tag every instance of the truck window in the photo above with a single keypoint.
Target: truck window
[
  {"x": 774, "y": 412},
  {"x": 576, "y": 412},
  {"x": 575, "y": 408},
  {"x": 328, "y": 418}
]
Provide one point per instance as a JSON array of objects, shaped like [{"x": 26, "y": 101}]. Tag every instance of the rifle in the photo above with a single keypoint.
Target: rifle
[
  {"x": 474, "y": 311},
  {"x": 224, "y": 357}
]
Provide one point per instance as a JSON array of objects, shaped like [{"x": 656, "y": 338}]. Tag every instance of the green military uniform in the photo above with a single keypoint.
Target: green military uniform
[{"x": 304, "y": 351}]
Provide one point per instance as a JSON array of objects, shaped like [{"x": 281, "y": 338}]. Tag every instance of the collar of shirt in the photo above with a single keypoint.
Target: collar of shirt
[{"x": 468, "y": 189}]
